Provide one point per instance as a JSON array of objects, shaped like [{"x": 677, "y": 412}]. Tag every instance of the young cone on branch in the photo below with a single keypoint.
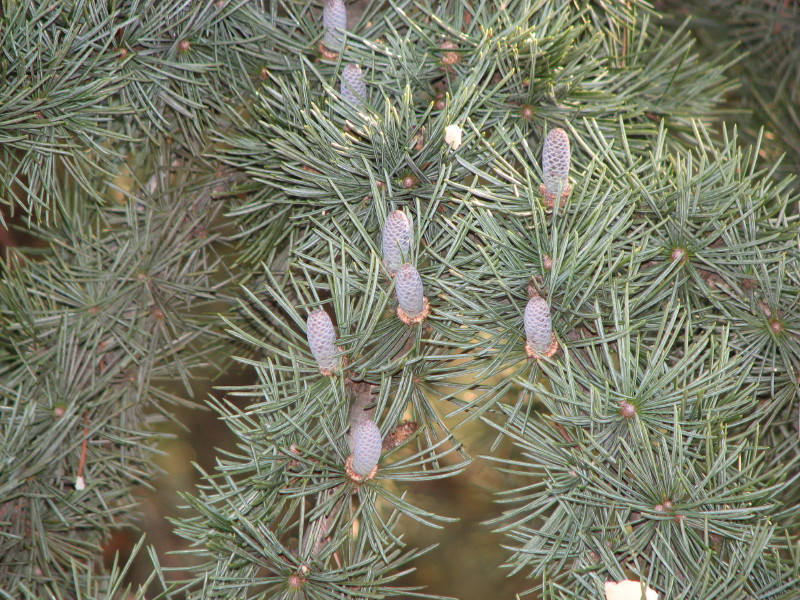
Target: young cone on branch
[
  {"x": 353, "y": 87},
  {"x": 396, "y": 240},
  {"x": 555, "y": 167},
  {"x": 540, "y": 340},
  {"x": 334, "y": 23},
  {"x": 367, "y": 446},
  {"x": 321, "y": 340},
  {"x": 413, "y": 305}
]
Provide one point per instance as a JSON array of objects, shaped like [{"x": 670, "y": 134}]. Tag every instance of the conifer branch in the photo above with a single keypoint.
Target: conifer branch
[{"x": 513, "y": 215}]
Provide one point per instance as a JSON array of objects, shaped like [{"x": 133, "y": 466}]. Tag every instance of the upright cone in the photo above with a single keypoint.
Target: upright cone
[
  {"x": 555, "y": 167},
  {"x": 413, "y": 306},
  {"x": 396, "y": 241},
  {"x": 353, "y": 88},
  {"x": 322, "y": 341},
  {"x": 334, "y": 23},
  {"x": 540, "y": 340},
  {"x": 367, "y": 445}
]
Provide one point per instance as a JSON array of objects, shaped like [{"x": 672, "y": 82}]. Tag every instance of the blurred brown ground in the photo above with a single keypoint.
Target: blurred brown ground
[{"x": 466, "y": 564}]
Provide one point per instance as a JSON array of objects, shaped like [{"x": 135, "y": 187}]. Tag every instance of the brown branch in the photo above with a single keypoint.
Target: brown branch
[{"x": 362, "y": 408}]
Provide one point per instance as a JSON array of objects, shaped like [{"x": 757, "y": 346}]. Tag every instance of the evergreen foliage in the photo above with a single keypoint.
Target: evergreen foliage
[
  {"x": 598, "y": 271},
  {"x": 767, "y": 33}
]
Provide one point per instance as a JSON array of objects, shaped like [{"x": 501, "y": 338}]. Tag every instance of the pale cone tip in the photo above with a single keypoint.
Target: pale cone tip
[{"x": 550, "y": 198}]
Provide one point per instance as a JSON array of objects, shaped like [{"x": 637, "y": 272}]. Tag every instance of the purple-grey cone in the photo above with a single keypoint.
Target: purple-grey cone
[
  {"x": 538, "y": 325},
  {"x": 353, "y": 87},
  {"x": 322, "y": 340},
  {"x": 408, "y": 287},
  {"x": 334, "y": 22},
  {"x": 366, "y": 448},
  {"x": 555, "y": 161},
  {"x": 396, "y": 240}
]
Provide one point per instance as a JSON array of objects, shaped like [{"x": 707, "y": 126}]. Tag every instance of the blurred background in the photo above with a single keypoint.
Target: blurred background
[{"x": 447, "y": 570}]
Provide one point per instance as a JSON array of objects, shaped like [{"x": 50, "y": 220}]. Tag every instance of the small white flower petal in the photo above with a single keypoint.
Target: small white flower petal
[
  {"x": 628, "y": 590},
  {"x": 452, "y": 136}
]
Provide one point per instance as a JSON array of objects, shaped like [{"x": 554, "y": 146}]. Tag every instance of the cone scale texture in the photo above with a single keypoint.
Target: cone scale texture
[
  {"x": 334, "y": 23},
  {"x": 555, "y": 166},
  {"x": 396, "y": 240},
  {"x": 367, "y": 446},
  {"x": 413, "y": 306},
  {"x": 353, "y": 88},
  {"x": 540, "y": 340},
  {"x": 322, "y": 341}
]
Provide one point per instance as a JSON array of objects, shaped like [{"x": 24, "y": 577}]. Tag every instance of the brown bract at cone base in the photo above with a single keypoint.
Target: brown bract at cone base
[
  {"x": 327, "y": 54},
  {"x": 426, "y": 310},
  {"x": 550, "y": 351},
  {"x": 348, "y": 469},
  {"x": 550, "y": 198}
]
